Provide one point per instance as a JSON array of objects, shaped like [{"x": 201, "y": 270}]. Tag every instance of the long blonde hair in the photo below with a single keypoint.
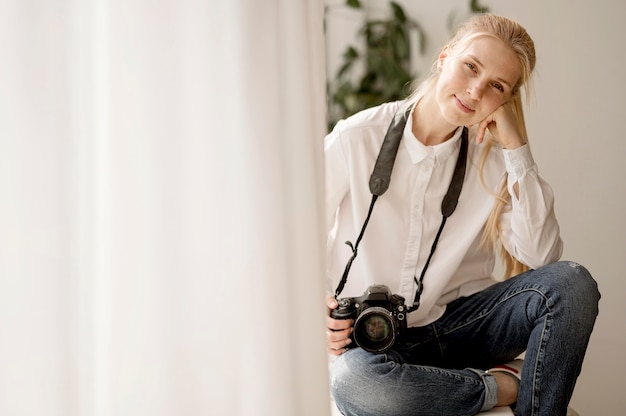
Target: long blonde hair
[{"x": 516, "y": 37}]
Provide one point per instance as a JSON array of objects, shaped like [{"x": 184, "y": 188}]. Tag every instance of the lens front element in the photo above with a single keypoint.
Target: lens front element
[{"x": 375, "y": 329}]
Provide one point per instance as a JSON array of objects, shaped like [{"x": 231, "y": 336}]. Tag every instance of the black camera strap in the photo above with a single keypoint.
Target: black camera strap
[{"x": 379, "y": 183}]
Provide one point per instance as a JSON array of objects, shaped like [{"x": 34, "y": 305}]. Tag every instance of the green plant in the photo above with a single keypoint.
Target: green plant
[{"x": 383, "y": 66}]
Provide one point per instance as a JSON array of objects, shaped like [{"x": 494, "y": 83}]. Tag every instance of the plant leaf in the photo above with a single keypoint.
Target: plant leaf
[
  {"x": 477, "y": 8},
  {"x": 400, "y": 44},
  {"x": 350, "y": 54},
  {"x": 398, "y": 12}
]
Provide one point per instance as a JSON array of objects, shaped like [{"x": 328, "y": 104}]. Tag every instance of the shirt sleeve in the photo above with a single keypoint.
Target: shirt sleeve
[
  {"x": 530, "y": 229},
  {"x": 336, "y": 174}
]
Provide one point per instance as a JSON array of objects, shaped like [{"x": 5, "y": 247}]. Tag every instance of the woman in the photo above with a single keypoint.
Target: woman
[{"x": 465, "y": 329}]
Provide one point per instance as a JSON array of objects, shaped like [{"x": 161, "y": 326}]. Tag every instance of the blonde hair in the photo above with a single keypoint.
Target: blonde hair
[{"x": 516, "y": 37}]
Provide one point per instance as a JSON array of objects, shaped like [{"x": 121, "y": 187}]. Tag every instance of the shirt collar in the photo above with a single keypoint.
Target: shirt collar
[{"x": 418, "y": 151}]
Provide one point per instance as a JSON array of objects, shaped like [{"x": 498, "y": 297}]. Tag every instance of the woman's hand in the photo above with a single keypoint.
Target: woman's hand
[
  {"x": 503, "y": 126},
  {"x": 338, "y": 330}
]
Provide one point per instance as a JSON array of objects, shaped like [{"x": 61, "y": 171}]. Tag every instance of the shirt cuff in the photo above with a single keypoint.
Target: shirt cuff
[{"x": 518, "y": 161}]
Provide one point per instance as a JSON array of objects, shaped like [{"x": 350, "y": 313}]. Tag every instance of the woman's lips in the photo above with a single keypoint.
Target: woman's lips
[{"x": 462, "y": 106}]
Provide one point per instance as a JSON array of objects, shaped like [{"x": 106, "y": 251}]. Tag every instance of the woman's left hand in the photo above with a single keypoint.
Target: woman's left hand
[{"x": 503, "y": 126}]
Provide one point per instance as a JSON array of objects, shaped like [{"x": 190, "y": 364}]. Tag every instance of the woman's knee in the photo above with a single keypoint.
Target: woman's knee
[
  {"x": 570, "y": 284},
  {"x": 349, "y": 370},
  {"x": 357, "y": 383},
  {"x": 345, "y": 372},
  {"x": 572, "y": 276}
]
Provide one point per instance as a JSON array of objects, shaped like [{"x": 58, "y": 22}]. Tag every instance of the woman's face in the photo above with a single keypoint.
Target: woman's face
[{"x": 475, "y": 82}]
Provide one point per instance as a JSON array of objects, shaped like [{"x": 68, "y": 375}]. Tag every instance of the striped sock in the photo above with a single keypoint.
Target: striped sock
[{"x": 513, "y": 368}]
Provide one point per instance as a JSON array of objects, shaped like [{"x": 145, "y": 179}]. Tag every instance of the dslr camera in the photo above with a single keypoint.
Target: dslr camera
[{"x": 379, "y": 318}]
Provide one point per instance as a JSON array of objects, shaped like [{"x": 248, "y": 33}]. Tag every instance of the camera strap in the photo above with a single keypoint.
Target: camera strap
[{"x": 379, "y": 183}]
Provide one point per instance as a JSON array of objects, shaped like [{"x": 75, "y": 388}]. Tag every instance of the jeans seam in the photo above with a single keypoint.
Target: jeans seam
[
  {"x": 546, "y": 327},
  {"x": 451, "y": 374},
  {"x": 437, "y": 339}
]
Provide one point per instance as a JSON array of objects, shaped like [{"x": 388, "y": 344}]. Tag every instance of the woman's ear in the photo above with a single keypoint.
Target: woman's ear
[{"x": 442, "y": 56}]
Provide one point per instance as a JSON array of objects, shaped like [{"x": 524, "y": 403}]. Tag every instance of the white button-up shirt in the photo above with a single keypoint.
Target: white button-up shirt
[{"x": 406, "y": 218}]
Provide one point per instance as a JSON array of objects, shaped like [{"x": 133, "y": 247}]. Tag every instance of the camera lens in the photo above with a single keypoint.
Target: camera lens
[{"x": 375, "y": 329}]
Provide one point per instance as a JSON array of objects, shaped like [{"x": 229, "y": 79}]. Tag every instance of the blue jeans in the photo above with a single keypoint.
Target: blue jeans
[{"x": 438, "y": 369}]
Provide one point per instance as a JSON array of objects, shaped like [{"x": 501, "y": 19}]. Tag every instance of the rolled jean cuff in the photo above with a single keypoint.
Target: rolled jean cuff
[{"x": 491, "y": 389}]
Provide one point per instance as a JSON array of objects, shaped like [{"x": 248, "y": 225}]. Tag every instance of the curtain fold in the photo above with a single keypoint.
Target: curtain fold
[{"x": 161, "y": 240}]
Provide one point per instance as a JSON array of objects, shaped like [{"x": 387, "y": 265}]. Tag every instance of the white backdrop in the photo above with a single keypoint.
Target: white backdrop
[{"x": 160, "y": 223}]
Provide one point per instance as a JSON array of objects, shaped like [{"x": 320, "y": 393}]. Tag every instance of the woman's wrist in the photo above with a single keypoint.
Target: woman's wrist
[{"x": 513, "y": 144}]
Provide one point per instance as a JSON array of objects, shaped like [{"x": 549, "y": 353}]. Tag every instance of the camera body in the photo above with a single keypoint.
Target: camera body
[{"x": 379, "y": 318}]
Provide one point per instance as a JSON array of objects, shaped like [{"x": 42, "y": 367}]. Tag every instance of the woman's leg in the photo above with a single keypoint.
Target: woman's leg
[
  {"x": 368, "y": 384},
  {"x": 563, "y": 323},
  {"x": 549, "y": 312}
]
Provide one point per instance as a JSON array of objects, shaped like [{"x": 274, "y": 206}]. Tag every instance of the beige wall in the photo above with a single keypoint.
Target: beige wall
[{"x": 576, "y": 128}]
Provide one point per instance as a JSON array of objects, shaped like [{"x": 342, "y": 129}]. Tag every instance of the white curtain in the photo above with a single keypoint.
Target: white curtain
[{"x": 161, "y": 228}]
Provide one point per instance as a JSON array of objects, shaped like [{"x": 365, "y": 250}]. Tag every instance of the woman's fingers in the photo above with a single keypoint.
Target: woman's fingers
[
  {"x": 338, "y": 324},
  {"x": 338, "y": 341},
  {"x": 331, "y": 302},
  {"x": 480, "y": 131},
  {"x": 338, "y": 330},
  {"x": 503, "y": 127}
]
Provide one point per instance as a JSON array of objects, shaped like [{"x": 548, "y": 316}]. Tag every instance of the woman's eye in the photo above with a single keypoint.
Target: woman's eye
[
  {"x": 471, "y": 66},
  {"x": 498, "y": 86}
]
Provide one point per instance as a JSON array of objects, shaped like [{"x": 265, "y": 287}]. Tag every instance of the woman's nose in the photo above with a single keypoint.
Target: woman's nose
[{"x": 475, "y": 90}]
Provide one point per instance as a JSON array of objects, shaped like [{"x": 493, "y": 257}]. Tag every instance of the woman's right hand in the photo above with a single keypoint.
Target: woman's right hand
[{"x": 338, "y": 330}]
